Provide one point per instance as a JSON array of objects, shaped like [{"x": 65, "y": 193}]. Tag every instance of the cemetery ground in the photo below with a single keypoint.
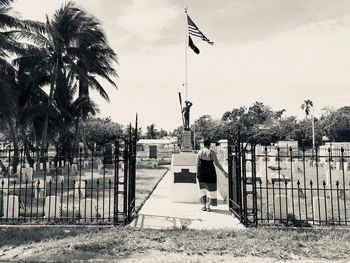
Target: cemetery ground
[{"x": 124, "y": 244}]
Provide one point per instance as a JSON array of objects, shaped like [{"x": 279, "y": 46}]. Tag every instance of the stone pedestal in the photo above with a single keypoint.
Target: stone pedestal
[
  {"x": 184, "y": 186},
  {"x": 186, "y": 141}
]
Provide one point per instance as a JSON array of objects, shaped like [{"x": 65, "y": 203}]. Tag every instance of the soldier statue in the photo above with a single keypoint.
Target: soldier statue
[{"x": 186, "y": 114}]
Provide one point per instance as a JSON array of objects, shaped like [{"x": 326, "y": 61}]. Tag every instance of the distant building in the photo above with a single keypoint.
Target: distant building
[
  {"x": 155, "y": 148},
  {"x": 335, "y": 148}
]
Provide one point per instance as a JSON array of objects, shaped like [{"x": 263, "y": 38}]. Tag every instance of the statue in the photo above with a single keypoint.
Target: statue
[{"x": 186, "y": 114}]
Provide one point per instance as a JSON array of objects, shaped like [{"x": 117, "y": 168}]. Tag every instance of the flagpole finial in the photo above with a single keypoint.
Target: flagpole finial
[{"x": 186, "y": 9}]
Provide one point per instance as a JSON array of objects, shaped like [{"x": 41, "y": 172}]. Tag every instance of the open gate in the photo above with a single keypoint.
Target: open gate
[{"x": 242, "y": 182}]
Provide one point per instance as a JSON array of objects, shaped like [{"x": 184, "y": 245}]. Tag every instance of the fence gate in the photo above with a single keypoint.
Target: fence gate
[
  {"x": 95, "y": 187},
  {"x": 242, "y": 182}
]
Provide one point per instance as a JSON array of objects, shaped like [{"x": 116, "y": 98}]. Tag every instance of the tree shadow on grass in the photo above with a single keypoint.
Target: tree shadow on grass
[{"x": 15, "y": 236}]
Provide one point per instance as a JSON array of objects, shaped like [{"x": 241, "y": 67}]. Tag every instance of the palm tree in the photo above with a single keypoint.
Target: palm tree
[
  {"x": 66, "y": 110},
  {"x": 8, "y": 46},
  {"x": 94, "y": 58},
  {"x": 307, "y": 106},
  {"x": 71, "y": 42}
]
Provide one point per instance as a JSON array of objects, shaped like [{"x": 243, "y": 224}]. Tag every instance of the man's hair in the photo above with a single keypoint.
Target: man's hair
[{"x": 207, "y": 142}]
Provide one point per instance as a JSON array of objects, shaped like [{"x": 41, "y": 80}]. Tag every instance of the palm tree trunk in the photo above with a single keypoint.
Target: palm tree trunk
[
  {"x": 46, "y": 121},
  {"x": 14, "y": 138},
  {"x": 76, "y": 145},
  {"x": 37, "y": 152},
  {"x": 26, "y": 147},
  {"x": 84, "y": 140}
]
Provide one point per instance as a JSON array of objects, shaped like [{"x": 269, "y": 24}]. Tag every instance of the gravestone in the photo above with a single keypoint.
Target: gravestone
[
  {"x": 74, "y": 168},
  {"x": 5, "y": 185},
  {"x": 27, "y": 174},
  {"x": 48, "y": 179},
  {"x": 10, "y": 206},
  {"x": 338, "y": 165},
  {"x": 281, "y": 207},
  {"x": 80, "y": 192},
  {"x": 108, "y": 154},
  {"x": 153, "y": 151},
  {"x": 39, "y": 188},
  {"x": 52, "y": 207},
  {"x": 276, "y": 178},
  {"x": 319, "y": 211},
  {"x": 88, "y": 208}
]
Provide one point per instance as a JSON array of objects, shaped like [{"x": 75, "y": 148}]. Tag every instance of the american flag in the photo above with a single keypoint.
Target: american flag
[{"x": 194, "y": 31}]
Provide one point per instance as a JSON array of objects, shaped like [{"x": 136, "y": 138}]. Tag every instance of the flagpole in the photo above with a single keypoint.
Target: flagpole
[{"x": 186, "y": 50}]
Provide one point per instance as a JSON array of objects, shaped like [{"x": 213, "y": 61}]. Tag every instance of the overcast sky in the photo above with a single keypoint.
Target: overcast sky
[{"x": 277, "y": 52}]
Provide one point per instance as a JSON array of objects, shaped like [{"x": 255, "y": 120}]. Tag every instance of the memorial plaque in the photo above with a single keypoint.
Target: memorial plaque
[{"x": 185, "y": 176}]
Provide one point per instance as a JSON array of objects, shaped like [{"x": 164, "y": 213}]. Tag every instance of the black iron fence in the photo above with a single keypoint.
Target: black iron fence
[
  {"x": 286, "y": 188},
  {"x": 98, "y": 188}
]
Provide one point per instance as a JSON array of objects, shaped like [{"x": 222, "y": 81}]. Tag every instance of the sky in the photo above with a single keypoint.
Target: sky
[{"x": 277, "y": 52}]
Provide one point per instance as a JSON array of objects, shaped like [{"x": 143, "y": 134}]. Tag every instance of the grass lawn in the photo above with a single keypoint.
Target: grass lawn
[
  {"x": 133, "y": 245},
  {"x": 146, "y": 180}
]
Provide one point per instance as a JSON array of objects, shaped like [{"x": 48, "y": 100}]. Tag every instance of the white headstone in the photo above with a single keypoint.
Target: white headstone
[
  {"x": 262, "y": 166},
  {"x": 74, "y": 167},
  {"x": 346, "y": 165},
  {"x": 281, "y": 207},
  {"x": 10, "y": 206},
  {"x": 319, "y": 209},
  {"x": 80, "y": 192},
  {"x": 4, "y": 185},
  {"x": 27, "y": 174},
  {"x": 87, "y": 206},
  {"x": 338, "y": 165},
  {"x": 39, "y": 188},
  {"x": 47, "y": 167},
  {"x": 48, "y": 178},
  {"x": 52, "y": 207}
]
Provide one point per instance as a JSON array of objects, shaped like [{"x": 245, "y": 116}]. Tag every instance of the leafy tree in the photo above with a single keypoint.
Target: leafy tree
[
  {"x": 178, "y": 132},
  {"x": 337, "y": 125},
  {"x": 162, "y": 133},
  {"x": 152, "y": 132},
  {"x": 102, "y": 131}
]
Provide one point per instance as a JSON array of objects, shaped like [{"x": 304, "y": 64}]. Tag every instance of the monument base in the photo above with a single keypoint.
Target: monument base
[
  {"x": 186, "y": 141},
  {"x": 184, "y": 186}
]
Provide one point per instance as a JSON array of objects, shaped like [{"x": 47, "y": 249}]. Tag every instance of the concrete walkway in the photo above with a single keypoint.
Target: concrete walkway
[{"x": 160, "y": 212}]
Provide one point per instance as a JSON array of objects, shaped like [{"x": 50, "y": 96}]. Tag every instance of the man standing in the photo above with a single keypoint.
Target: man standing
[{"x": 186, "y": 113}]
